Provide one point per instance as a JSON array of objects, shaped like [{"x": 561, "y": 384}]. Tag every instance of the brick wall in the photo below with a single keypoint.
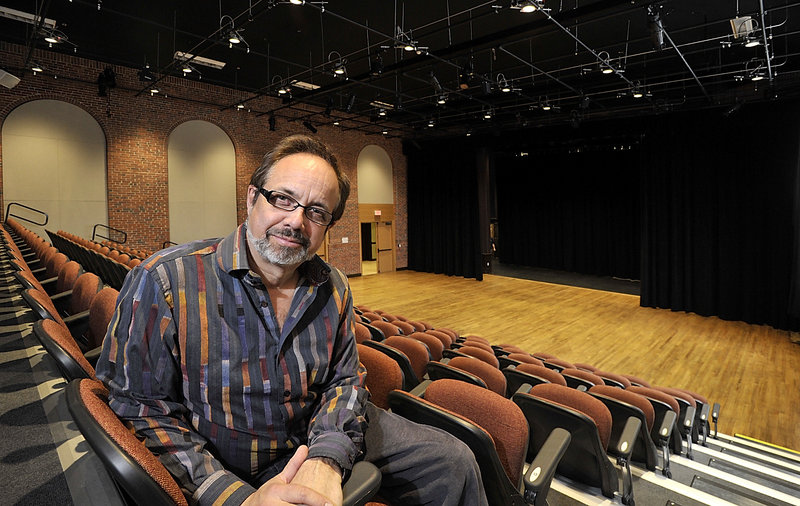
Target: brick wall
[{"x": 137, "y": 129}]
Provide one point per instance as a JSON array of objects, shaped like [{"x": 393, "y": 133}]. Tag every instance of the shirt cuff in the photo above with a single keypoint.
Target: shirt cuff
[
  {"x": 336, "y": 446},
  {"x": 222, "y": 488}
]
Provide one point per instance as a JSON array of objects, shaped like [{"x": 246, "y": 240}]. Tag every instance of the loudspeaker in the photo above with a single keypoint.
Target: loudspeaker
[{"x": 8, "y": 80}]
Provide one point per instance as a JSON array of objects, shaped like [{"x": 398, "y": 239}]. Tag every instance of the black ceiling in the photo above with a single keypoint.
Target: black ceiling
[{"x": 465, "y": 51}]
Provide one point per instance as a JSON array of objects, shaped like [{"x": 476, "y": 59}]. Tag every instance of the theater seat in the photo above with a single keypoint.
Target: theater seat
[
  {"x": 383, "y": 374},
  {"x": 494, "y": 429},
  {"x": 548, "y": 406}
]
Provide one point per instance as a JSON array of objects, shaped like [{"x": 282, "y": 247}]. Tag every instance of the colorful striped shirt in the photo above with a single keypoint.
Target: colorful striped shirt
[{"x": 196, "y": 362}]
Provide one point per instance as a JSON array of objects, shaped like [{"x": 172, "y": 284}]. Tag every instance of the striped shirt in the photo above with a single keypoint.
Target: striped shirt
[{"x": 196, "y": 362}]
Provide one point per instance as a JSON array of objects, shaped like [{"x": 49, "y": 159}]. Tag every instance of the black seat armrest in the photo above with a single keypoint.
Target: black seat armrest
[
  {"x": 363, "y": 483},
  {"x": 628, "y": 438},
  {"x": 92, "y": 355},
  {"x": 541, "y": 471}
]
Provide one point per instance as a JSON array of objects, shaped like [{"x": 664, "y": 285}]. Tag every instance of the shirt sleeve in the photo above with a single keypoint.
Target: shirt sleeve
[
  {"x": 140, "y": 365},
  {"x": 336, "y": 430}
]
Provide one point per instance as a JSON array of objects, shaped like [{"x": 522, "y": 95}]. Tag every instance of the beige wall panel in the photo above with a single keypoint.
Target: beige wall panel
[
  {"x": 54, "y": 159},
  {"x": 202, "y": 182},
  {"x": 375, "y": 184}
]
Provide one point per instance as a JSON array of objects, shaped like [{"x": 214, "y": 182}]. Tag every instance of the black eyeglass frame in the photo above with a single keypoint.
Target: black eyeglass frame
[{"x": 306, "y": 209}]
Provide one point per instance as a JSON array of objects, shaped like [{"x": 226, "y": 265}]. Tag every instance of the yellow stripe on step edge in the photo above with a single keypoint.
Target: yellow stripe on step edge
[{"x": 767, "y": 444}]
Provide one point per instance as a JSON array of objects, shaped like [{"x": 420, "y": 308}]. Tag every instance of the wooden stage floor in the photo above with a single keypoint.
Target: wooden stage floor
[{"x": 753, "y": 371}]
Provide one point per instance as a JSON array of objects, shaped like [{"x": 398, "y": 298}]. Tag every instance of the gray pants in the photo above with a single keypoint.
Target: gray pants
[{"x": 421, "y": 464}]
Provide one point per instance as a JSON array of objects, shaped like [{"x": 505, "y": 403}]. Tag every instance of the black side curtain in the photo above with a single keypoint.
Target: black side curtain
[
  {"x": 443, "y": 227},
  {"x": 720, "y": 216},
  {"x": 571, "y": 210}
]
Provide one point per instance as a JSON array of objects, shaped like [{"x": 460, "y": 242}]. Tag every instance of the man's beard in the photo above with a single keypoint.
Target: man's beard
[{"x": 277, "y": 254}]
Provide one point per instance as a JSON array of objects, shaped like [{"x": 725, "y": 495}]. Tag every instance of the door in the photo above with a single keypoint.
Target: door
[{"x": 385, "y": 246}]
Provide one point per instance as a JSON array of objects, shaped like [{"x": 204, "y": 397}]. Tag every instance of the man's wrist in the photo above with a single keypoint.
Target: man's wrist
[{"x": 332, "y": 463}]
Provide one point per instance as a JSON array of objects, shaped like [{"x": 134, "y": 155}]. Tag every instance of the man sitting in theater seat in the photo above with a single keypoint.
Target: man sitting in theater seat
[{"x": 231, "y": 356}]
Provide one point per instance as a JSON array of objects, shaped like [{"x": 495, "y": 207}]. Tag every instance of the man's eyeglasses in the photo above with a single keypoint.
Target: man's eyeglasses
[{"x": 286, "y": 203}]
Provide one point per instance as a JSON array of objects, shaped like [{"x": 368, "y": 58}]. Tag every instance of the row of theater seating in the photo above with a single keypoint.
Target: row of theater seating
[
  {"x": 141, "y": 254},
  {"x": 415, "y": 368},
  {"x": 69, "y": 311}
]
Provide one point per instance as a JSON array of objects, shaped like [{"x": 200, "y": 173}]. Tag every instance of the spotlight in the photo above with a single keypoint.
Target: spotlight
[
  {"x": 527, "y": 6},
  {"x": 487, "y": 114},
  {"x": 385, "y": 132},
  {"x": 240, "y": 106},
  {"x": 145, "y": 75},
  {"x": 336, "y": 123},
  {"x": 752, "y": 41},
  {"x": 431, "y": 123},
  {"x": 311, "y": 128},
  {"x": 338, "y": 63},
  {"x": 297, "y": 2},
  {"x": 36, "y": 68},
  {"x": 441, "y": 100},
  {"x": 271, "y": 122},
  {"x": 546, "y": 106},
  {"x": 382, "y": 112},
  {"x": 153, "y": 91},
  {"x": 234, "y": 37}
]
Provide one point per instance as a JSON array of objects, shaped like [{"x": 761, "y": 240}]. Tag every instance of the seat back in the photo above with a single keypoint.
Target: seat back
[
  {"x": 101, "y": 310},
  {"x": 557, "y": 364},
  {"x": 636, "y": 381},
  {"x": 387, "y": 328},
  {"x": 623, "y": 404},
  {"x": 383, "y": 374},
  {"x": 614, "y": 380},
  {"x": 410, "y": 379},
  {"x": 86, "y": 287},
  {"x": 532, "y": 375},
  {"x": 416, "y": 352},
  {"x": 434, "y": 345},
  {"x": 487, "y": 423},
  {"x": 68, "y": 275},
  {"x": 406, "y": 327},
  {"x": 446, "y": 340},
  {"x": 42, "y": 305},
  {"x": 481, "y": 354},
  {"x": 494, "y": 379},
  {"x": 139, "y": 474},
  {"x": 362, "y": 333},
  {"x": 548, "y": 406},
  {"x": 61, "y": 346},
  {"x": 439, "y": 370},
  {"x": 578, "y": 377},
  {"x": 661, "y": 402}
]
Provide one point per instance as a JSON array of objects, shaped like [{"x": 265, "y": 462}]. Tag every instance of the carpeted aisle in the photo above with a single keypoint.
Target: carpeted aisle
[{"x": 30, "y": 469}]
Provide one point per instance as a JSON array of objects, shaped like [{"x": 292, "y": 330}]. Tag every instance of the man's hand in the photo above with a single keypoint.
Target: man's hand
[
  {"x": 322, "y": 475},
  {"x": 279, "y": 490}
]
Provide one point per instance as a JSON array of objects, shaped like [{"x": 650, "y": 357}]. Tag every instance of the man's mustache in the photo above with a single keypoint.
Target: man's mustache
[{"x": 295, "y": 235}]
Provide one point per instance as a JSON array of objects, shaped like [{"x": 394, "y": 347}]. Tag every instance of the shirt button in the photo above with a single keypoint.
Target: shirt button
[
  {"x": 287, "y": 393},
  {"x": 263, "y": 303}
]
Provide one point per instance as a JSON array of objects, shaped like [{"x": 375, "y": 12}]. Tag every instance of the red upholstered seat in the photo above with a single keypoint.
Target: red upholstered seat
[
  {"x": 479, "y": 353},
  {"x": 435, "y": 346},
  {"x": 383, "y": 374},
  {"x": 494, "y": 379},
  {"x": 525, "y": 359},
  {"x": 543, "y": 372},
  {"x": 416, "y": 352}
]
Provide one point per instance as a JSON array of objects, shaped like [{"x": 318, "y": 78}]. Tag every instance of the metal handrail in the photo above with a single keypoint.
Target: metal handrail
[
  {"x": 95, "y": 234},
  {"x": 8, "y": 207},
  {"x": 168, "y": 243}
]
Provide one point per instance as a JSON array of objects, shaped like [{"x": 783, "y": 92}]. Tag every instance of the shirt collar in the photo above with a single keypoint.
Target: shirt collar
[{"x": 232, "y": 257}]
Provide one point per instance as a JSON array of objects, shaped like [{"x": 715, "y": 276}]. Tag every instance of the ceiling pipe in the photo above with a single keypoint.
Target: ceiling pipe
[
  {"x": 764, "y": 39},
  {"x": 691, "y": 70}
]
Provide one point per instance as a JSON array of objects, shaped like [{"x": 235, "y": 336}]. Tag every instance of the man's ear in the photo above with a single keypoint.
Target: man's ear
[{"x": 252, "y": 194}]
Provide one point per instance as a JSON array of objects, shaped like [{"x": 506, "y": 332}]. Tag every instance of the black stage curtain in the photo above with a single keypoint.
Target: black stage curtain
[
  {"x": 443, "y": 230},
  {"x": 720, "y": 216},
  {"x": 571, "y": 209}
]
